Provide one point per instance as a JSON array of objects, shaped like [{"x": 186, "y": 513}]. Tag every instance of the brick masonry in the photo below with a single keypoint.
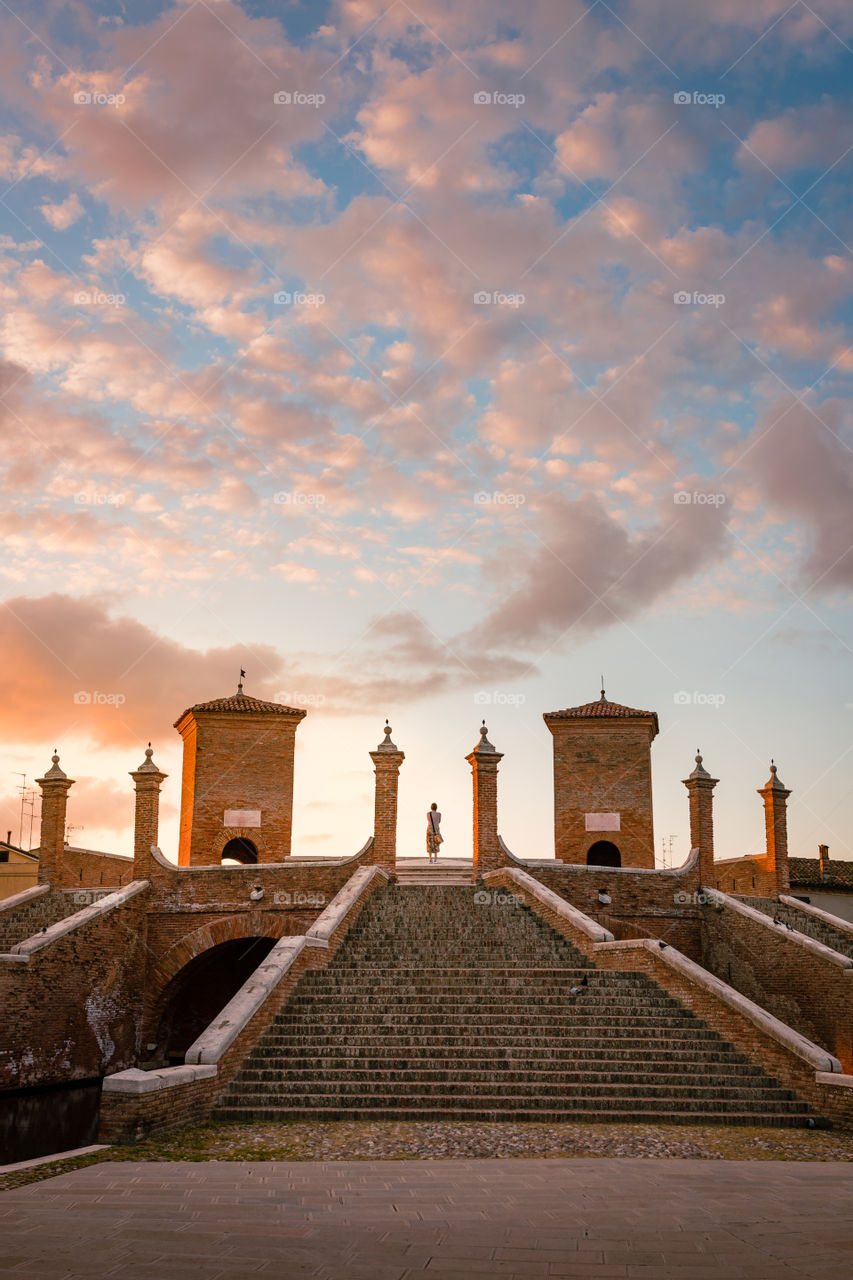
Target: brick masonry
[
  {"x": 234, "y": 760},
  {"x": 131, "y": 1117},
  {"x": 603, "y": 766}
]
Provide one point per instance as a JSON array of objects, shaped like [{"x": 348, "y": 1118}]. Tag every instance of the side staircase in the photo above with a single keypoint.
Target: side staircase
[
  {"x": 452, "y": 1003},
  {"x": 802, "y": 922},
  {"x": 19, "y": 923}
]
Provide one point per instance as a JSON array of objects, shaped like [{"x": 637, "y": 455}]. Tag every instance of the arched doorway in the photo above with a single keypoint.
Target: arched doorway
[
  {"x": 202, "y": 989},
  {"x": 604, "y": 854},
  {"x": 240, "y": 850}
]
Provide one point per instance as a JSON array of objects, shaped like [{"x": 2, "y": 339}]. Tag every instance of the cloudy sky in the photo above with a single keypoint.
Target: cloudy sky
[{"x": 428, "y": 360}]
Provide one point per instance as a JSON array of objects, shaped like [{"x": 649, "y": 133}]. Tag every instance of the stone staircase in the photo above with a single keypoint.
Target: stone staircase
[
  {"x": 19, "y": 923},
  {"x": 440, "y": 873},
  {"x": 804, "y": 923},
  {"x": 449, "y": 1003}
]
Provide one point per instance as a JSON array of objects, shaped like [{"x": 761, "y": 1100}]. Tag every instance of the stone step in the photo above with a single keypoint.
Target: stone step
[
  {"x": 523, "y": 1058},
  {"x": 459, "y": 1003},
  {"x": 499, "y": 1113},
  {"x": 438, "y": 1008},
  {"x": 459, "y": 1037},
  {"x": 535, "y": 1094},
  {"x": 453, "y": 1022},
  {"x": 520, "y": 1073}
]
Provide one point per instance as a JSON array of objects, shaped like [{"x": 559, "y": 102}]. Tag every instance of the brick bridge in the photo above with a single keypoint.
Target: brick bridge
[{"x": 111, "y": 964}]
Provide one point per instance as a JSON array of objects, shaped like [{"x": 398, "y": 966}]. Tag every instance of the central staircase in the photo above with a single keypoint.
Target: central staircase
[{"x": 452, "y": 1003}]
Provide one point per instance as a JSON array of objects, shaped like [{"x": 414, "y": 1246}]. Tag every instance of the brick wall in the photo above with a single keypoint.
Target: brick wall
[
  {"x": 74, "y": 1011},
  {"x": 771, "y": 967},
  {"x": 88, "y": 869},
  {"x": 132, "y": 1117},
  {"x": 754, "y": 876},
  {"x": 236, "y": 761},
  {"x": 603, "y": 766},
  {"x": 663, "y": 904}
]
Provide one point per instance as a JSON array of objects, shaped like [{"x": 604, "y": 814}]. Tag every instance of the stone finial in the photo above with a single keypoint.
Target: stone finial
[
  {"x": 54, "y": 772},
  {"x": 700, "y": 771},
  {"x": 484, "y": 744},
  {"x": 148, "y": 765},
  {"x": 386, "y": 744},
  {"x": 773, "y": 781}
]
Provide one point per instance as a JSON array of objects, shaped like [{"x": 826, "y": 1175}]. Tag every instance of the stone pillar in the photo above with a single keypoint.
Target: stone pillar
[
  {"x": 775, "y": 797},
  {"x": 700, "y": 788},
  {"x": 387, "y": 759},
  {"x": 55, "y": 786},
  {"x": 147, "y": 780},
  {"x": 488, "y": 855}
]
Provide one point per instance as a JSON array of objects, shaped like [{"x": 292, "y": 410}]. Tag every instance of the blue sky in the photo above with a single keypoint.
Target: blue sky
[{"x": 386, "y": 496}]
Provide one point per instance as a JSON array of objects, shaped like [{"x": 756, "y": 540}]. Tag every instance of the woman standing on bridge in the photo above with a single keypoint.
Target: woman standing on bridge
[{"x": 434, "y": 836}]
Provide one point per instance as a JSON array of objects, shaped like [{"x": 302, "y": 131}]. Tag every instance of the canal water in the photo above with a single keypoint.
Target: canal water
[{"x": 41, "y": 1121}]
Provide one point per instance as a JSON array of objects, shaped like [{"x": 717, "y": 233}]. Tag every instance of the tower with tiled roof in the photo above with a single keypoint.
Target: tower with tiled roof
[
  {"x": 603, "y": 784},
  {"x": 237, "y": 781}
]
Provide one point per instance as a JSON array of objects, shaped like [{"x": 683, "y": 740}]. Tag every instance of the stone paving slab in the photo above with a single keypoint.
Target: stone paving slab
[{"x": 433, "y": 1220}]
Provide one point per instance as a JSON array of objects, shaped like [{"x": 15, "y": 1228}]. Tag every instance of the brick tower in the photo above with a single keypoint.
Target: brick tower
[
  {"x": 237, "y": 784},
  {"x": 603, "y": 784}
]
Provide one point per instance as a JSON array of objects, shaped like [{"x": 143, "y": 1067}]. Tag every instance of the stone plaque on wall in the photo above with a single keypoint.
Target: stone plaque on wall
[
  {"x": 602, "y": 821},
  {"x": 242, "y": 818}
]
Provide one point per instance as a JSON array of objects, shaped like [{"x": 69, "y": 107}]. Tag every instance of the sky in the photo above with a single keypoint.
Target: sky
[{"x": 429, "y": 360}]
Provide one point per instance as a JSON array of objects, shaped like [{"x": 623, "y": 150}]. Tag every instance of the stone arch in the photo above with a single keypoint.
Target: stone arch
[
  {"x": 241, "y": 849},
  {"x": 200, "y": 991},
  {"x": 604, "y": 853},
  {"x": 227, "y": 929}
]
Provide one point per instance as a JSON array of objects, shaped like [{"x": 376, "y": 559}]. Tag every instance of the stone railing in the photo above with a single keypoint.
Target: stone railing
[
  {"x": 25, "y": 896},
  {"x": 766, "y": 922},
  {"x": 22, "y": 951},
  {"x": 137, "y": 1103},
  {"x": 825, "y": 917},
  {"x": 813, "y": 1073}
]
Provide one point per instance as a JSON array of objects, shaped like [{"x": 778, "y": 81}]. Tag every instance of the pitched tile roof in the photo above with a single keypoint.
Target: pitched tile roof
[
  {"x": 603, "y": 709},
  {"x": 805, "y": 873},
  {"x": 243, "y": 703}
]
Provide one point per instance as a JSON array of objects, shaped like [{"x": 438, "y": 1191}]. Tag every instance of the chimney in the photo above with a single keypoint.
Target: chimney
[
  {"x": 8, "y": 837},
  {"x": 823, "y": 854}
]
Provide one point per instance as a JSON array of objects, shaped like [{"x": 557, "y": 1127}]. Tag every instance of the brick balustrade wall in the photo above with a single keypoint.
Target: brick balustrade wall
[
  {"x": 74, "y": 1009},
  {"x": 778, "y": 971}
]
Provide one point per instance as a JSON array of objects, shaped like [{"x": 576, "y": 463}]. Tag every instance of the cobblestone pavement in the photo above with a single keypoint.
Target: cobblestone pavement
[{"x": 433, "y": 1220}]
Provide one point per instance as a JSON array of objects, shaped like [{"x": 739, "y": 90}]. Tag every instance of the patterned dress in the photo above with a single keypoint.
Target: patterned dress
[{"x": 433, "y": 832}]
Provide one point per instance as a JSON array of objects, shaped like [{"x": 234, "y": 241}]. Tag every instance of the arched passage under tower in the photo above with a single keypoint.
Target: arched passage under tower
[{"x": 201, "y": 990}]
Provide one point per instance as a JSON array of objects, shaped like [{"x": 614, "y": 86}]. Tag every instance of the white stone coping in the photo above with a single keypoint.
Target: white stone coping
[
  {"x": 241, "y": 1008},
  {"x": 250, "y": 868},
  {"x": 341, "y": 905},
  {"x": 135, "y": 1081},
  {"x": 799, "y": 939},
  {"x": 791, "y": 1040},
  {"x": 99, "y": 908},
  {"x": 26, "y": 895},
  {"x": 826, "y": 1077},
  {"x": 550, "y": 863},
  {"x": 585, "y": 924},
  {"x": 837, "y": 922}
]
